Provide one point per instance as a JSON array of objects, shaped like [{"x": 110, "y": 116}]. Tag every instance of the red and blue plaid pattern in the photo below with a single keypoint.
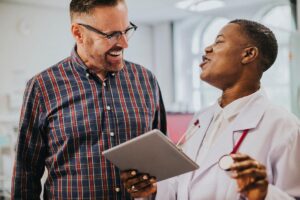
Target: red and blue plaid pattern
[{"x": 69, "y": 117}]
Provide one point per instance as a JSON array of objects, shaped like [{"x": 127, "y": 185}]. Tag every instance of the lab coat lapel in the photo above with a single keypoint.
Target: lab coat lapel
[
  {"x": 248, "y": 118},
  {"x": 205, "y": 118},
  {"x": 222, "y": 146},
  {"x": 252, "y": 113},
  {"x": 192, "y": 146}
]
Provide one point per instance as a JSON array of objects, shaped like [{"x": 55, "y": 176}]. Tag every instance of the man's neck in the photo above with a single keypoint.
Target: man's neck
[{"x": 101, "y": 73}]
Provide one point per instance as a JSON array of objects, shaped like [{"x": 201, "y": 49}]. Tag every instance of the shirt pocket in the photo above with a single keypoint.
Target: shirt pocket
[{"x": 134, "y": 121}]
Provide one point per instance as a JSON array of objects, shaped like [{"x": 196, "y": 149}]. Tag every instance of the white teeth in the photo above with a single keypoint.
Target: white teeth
[{"x": 115, "y": 53}]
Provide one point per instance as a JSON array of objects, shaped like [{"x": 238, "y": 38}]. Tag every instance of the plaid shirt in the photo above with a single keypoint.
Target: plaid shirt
[{"x": 69, "y": 117}]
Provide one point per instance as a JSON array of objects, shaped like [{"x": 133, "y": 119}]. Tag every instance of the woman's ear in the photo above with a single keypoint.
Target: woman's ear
[
  {"x": 77, "y": 33},
  {"x": 249, "y": 55}
]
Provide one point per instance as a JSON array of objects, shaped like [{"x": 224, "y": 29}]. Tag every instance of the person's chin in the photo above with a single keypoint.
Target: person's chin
[
  {"x": 115, "y": 67},
  {"x": 115, "y": 64},
  {"x": 203, "y": 76}
]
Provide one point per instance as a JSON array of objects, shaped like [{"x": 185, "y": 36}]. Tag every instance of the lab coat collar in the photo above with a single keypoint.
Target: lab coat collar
[
  {"x": 252, "y": 112},
  {"x": 232, "y": 110}
]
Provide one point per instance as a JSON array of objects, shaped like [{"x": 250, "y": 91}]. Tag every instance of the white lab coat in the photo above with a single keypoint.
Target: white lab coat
[{"x": 273, "y": 140}]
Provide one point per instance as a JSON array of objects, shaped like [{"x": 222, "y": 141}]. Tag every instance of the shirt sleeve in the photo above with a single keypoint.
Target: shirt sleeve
[
  {"x": 286, "y": 170},
  {"x": 30, "y": 150},
  {"x": 167, "y": 189},
  {"x": 160, "y": 120}
]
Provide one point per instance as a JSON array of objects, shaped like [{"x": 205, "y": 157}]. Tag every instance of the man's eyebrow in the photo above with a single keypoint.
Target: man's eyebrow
[{"x": 112, "y": 32}]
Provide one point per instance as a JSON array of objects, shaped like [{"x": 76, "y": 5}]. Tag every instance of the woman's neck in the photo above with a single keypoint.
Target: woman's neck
[{"x": 231, "y": 94}]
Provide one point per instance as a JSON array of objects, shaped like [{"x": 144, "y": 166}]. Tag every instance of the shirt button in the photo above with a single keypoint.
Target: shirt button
[
  {"x": 112, "y": 134},
  {"x": 108, "y": 107},
  {"x": 87, "y": 75},
  {"x": 113, "y": 74},
  {"x": 104, "y": 84},
  {"x": 117, "y": 189}
]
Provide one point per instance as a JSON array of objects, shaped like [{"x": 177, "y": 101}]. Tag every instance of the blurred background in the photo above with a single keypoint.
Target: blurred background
[{"x": 172, "y": 34}]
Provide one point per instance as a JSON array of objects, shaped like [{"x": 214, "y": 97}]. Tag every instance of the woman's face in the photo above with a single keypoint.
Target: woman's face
[{"x": 222, "y": 66}]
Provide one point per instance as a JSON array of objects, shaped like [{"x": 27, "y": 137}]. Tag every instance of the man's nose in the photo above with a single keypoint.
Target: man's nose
[{"x": 123, "y": 41}]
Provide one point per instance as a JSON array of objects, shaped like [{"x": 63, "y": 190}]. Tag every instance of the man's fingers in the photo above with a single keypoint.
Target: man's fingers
[
  {"x": 138, "y": 185},
  {"x": 144, "y": 183},
  {"x": 128, "y": 174},
  {"x": 145, "y": 191},
  {"x": 137, "y": 179}
]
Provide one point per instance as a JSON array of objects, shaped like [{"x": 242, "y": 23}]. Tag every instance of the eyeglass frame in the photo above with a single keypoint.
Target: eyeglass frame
[{"x": 109, "y": 36}]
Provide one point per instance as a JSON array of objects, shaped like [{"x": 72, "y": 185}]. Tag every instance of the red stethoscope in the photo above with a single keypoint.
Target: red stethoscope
[{"x": 226, "y": 161}]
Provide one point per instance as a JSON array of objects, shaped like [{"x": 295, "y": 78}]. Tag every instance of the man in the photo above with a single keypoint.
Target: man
[
  {"x": 85, "y": 104},
  {"x": 246, "y": 147}
]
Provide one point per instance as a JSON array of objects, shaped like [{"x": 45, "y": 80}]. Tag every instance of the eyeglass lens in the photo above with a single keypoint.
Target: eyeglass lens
[{"x": 128, "y": 33}]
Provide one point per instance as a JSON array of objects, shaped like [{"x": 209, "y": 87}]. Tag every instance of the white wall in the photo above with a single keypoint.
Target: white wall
[
  {"x": 151, "y": 46},
  {"x": 163, "y": 52},
  {"x": 140, "y": 48},
  {"x": 32, "y": 38},
  {"x": 298, "y": 15}
]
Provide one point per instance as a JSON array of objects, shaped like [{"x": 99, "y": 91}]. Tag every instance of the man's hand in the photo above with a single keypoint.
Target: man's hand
[
  {"x": 138, "y": 184},
  {"x": 251, "y": 177}
]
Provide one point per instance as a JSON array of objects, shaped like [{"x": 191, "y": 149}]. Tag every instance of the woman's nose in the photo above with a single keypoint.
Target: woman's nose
[{"x": 208, "y": 49}]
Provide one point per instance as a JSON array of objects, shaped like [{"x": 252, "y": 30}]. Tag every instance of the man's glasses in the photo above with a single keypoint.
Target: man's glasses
[{"x": 114, "y": 36}]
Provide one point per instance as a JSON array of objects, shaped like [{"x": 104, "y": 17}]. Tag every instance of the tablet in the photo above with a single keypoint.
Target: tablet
[{"x": 152, "y": 153}]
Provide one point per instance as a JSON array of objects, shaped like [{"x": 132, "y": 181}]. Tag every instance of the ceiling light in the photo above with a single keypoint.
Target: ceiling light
[{"x": 200, "y": 5}]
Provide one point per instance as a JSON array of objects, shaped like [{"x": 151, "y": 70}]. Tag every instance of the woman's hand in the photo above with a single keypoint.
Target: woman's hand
[
  {"x": 251, "y": 176},
  {"x": 138, "y": 184}
]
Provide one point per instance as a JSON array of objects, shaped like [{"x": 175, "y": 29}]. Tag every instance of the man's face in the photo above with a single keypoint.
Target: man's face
[
  {"x": 221, "y": 66},
  {"x": 97, "y": 51}
]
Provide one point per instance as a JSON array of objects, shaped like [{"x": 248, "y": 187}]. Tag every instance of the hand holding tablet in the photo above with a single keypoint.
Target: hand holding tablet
[{"x": 151, "y": 153}]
